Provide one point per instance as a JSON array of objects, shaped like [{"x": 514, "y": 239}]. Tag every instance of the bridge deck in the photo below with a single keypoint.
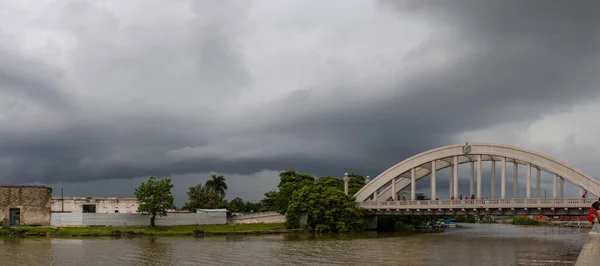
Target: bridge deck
[{"x": 474, "y": 207}]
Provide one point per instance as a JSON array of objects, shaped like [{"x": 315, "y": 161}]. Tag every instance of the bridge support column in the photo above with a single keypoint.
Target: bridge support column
[
  {"x": 537, "y": 179},
  {"x": 455, "y": 175},
  {"x": 471, "y": 178},
  {"x": 528, "y": 178},
  {"x": 433, "y": 177},
  {"x": 412, "y": 184},
  {"x": 394, "y": 195},
  {"x": 562, "y": 187},
  {"x": 346, "y": 183},
  {"x": 553, "y": 185},
  {"x": 503, "y": 179},
  {"x": 479, "y": 176},
  {"x": 515, "y": 179},
  {"x": 451, "y": 187},
  {"x": 493, "y": 194}
]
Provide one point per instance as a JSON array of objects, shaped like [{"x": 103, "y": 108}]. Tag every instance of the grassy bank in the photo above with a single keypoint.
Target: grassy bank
[{"x": 188, "y": 230}]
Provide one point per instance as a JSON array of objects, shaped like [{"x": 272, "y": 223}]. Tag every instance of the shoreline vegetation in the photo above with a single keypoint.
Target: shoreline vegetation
[
  {"x": 207, "y": 230},
  {"x": 184, "y": 230}
]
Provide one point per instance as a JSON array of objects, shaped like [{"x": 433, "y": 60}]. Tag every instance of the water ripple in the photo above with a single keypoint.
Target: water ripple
[{"x": 477, "y": 245}]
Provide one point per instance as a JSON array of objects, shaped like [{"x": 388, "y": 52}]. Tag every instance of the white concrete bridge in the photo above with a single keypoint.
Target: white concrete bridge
[
  {"x": 380, "y": 194},
  {"x": 548, "y": 207}
]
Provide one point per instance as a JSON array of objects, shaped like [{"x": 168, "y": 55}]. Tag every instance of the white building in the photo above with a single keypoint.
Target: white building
[{"x": 94, "y": 205}]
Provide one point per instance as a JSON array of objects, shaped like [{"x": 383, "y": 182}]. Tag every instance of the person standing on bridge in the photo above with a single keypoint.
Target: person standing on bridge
[{"x": 594, "y": 213}]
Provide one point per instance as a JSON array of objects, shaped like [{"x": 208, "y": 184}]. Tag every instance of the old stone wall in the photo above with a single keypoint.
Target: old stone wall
[
  {"x": 32, "y": 201},
  {"x": 137, "y": 219},
  {"x": 255, "y": 218}
]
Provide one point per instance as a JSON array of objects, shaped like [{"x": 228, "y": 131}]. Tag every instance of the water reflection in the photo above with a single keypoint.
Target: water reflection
[{"x": 476, "y": 245}]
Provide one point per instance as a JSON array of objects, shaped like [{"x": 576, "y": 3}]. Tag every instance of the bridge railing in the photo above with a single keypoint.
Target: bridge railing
[{"x": 412, "y": 204}]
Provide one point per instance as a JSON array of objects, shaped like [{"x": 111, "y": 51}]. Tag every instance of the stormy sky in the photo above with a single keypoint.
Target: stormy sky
[{"x": 95, "y": 96}]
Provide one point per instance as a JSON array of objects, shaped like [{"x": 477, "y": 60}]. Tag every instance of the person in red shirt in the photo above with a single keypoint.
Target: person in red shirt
[{"x": 594, "y": 213}]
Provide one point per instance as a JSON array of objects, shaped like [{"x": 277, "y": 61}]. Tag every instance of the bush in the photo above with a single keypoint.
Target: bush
[
  {"x": 525, "y": 221},
  {"x": 465, "y": 219},
  {"x": 322, "y": 228}
]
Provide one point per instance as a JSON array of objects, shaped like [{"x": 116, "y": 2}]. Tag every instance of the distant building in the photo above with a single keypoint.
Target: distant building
[
  {"x": 94, "y": 205},
  {"x": 25, "y": 205}
]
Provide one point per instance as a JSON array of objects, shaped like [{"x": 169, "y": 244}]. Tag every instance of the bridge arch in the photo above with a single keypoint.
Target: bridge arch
[{"x": 401, "y": 174}]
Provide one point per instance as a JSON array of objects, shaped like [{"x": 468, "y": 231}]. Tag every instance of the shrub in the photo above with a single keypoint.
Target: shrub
[{"x": 525, "y": 221}]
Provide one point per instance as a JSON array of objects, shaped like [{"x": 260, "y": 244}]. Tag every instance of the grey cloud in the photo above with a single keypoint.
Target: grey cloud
[
  {"x": 31, "y": 79},
  {"x": 511, "y": 71},
  {"x": 161, "y": 99}
]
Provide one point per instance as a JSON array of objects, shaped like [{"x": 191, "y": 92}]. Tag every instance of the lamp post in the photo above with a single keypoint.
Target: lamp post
[{"x": 346, "y": 179}]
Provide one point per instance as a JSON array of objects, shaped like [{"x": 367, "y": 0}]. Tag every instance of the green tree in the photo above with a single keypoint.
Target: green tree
[
  {"x": 251, "y": 206},
  {"x": 290, "y": 181},
  {"x": 355, "y": 183},
  {"x": 236, "y": 205},
  {"x": 327, "y": 209},
  {"x": 268, "y": 202},
  {"x": 329, "y": 181},
  {"x": 217, "y": 183},
  {"x": 203, "y": 197},
  {"x": 154, "y": 197}
]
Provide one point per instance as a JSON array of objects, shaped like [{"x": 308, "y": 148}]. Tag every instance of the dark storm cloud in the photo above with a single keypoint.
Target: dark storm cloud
[
  {"x": 171, "y": 106},
  {"x": 521, "y": 61},
  {"x": 31, "y": 79}
]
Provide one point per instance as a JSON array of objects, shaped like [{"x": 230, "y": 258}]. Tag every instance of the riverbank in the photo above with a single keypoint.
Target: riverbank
[{"x": 188, "y": 230}]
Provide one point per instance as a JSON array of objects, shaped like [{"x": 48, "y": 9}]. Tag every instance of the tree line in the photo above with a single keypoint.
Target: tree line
[{"x": 320, "y": 202}]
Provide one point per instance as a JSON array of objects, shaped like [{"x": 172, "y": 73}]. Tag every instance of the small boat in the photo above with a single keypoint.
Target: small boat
[{"x": 449, "y": 223}]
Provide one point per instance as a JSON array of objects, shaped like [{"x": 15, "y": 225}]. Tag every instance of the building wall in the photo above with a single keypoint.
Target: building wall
[
  {"x": 103, "y": 205},
  {"x": 255, "y": 218},
  {"x": 33, "y": 201},
  {"x": 137, "y": 219}
]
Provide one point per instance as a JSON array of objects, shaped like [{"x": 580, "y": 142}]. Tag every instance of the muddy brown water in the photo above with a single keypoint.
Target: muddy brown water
[{"x": 478, "y": 244}]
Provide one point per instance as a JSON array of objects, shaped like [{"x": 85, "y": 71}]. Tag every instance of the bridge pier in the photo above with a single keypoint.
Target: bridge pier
[{"x": 371, "y": 223}]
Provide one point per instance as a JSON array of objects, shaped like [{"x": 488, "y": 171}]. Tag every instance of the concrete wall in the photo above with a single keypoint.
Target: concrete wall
[
  {"x": 255, "y": 218},
  {"x": 136, "y": 219},
  {"x": 103, "y": 205},
  {"x": 33, "y": 201}
]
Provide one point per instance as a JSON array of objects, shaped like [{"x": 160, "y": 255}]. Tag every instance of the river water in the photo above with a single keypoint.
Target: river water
[{"x": 477, "y": 244}]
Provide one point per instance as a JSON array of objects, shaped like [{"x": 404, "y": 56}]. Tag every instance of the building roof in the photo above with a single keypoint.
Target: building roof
[
  {"x": 22, "y": 186},
  {"x": 212, "y": 210},
  {"x": 93, "y": 198}
]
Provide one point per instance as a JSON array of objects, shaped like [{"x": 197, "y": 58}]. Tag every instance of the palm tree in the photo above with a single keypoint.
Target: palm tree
[{"x": 217, "y": 183}]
